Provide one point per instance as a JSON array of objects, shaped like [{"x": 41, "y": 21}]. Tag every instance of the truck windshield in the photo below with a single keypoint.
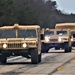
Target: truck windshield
[
  {"x": 27, "y": 34},
  {"x": 49, "y": 32},
  {"x": 61, "y": 32},
  {"x": 7, "y": 33}
]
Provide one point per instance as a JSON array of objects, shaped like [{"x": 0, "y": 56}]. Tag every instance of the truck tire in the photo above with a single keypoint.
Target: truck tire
[
  {"x": 39, "y": 58},
  {"x": 70, "y": 49},
  {"x": 34, "y": 56},
  {"x": 3, "y": 59},
  {"x": 0, "y": 51},
  {"x": 66, "y": 47},
  {"x": 45, "y": 49}
]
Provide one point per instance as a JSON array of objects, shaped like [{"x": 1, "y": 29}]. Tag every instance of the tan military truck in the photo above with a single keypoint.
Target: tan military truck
[
  {"x": 70, "y": 26},
  {"x": 18, "y": 40},
  {"x": 58, "y": 38}
]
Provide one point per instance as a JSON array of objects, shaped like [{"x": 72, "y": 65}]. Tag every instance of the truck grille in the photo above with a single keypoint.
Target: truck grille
[
  {"x": 53, "y": 39},
  {"x": 19, "y": 45}
]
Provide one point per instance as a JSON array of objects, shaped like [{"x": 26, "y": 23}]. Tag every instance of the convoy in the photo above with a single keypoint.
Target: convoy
[
  {"x": 18, "y": 40},
  {"x": 30, "y": 41},
  {"x": 58, "y": 38}
]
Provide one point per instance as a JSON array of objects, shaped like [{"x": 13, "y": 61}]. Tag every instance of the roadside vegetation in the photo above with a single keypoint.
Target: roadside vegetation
[{"x": 26, "y": 12}]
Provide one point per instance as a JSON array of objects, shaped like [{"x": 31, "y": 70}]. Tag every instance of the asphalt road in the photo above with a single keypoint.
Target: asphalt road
[{"x": 53, "y": 63}]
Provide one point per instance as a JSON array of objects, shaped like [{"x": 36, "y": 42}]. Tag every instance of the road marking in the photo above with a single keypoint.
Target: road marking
[
  {"x": 60, "y": 68},
  {"x": 73, "y": 58}
]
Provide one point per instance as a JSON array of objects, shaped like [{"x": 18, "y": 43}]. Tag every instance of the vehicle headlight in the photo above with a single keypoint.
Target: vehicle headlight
[
  {"x": 33, "y": 43},
  {"x": 4, "y": 45},
  {"x": 59, "y": 40},
  {"x": 47, "y": 39},
  {"x": 71, "y": 39},
  {"x": 24, "y": 45}
]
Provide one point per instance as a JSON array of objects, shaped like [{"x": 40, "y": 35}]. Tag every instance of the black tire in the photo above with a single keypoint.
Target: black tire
[
  {"x": 45, "y": 48},
  {"x": 3, "y": 59},
  {"x": 0, "y": 51},
  {"x": 34, "y": 56},
  {"x": 70, "y": 49},
  {"x": 66, "y": 47},
  {"x": 39, "y": 58}
]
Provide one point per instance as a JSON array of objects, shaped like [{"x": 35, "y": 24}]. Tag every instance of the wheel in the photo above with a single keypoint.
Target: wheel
[
  {"x": 34, "y": 56},
  {"x": 0, "y": 51},
  {"x": 45, "y": 48},
  {"x": 39, "y": 58},
  {"x": 3, "y": 59},
  {"x": 70, "y": 49},
  {"x": 66, "y": 47}
]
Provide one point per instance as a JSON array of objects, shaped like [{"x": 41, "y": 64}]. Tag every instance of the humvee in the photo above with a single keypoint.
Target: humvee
[
  {"x": 18, "y": 40},
  {"x": 58, "y": 38},
  {"x": 70, "y": 26}
]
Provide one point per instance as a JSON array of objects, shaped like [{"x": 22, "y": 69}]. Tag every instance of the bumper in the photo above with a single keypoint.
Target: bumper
[
  {"x": 15, "y": 52},
  {"x": 47, "y": 46},
  {"x": 50, "y": 45}
]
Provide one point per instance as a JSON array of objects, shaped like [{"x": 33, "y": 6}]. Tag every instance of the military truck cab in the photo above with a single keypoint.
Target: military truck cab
[
  {"x": 70, "y": 26},
  {"x": 46, "y": 41},
  {"x": 18, "y": 40},
  {"x": 58, "y": 38}
]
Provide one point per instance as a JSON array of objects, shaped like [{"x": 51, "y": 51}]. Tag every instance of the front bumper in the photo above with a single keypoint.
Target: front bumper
[
  {"x": 47, "y": 46},
  {"x": 20, "y": 52},
  {"x": 50, "y": 45}
]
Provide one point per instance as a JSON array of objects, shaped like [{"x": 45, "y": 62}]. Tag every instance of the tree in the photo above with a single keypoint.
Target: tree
[{"x": 7, "y": 12}]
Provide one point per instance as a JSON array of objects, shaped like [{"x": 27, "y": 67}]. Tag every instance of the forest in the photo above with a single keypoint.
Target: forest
[{"x": 36, "y": 12}]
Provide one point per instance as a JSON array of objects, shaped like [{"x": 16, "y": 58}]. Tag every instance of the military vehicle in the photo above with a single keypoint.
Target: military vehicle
[
  {"x": 18, "y": 40},
  {"x": 70, "y": 26},
  {"x": 58, "y": 38}
]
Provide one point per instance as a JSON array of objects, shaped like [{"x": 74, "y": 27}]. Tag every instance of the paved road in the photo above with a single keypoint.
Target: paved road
[{"x": 53, "y": 63}]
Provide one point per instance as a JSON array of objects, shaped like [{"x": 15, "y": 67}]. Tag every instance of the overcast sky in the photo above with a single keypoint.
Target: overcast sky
[{"x": 66, "y": 5}]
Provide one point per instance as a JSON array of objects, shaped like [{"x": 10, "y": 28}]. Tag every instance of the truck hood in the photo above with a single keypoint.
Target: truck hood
[
  {"x": 53, "y": 37},
  {"x": 63, "y": 36},
  {"x": 57, "y": 36}
]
